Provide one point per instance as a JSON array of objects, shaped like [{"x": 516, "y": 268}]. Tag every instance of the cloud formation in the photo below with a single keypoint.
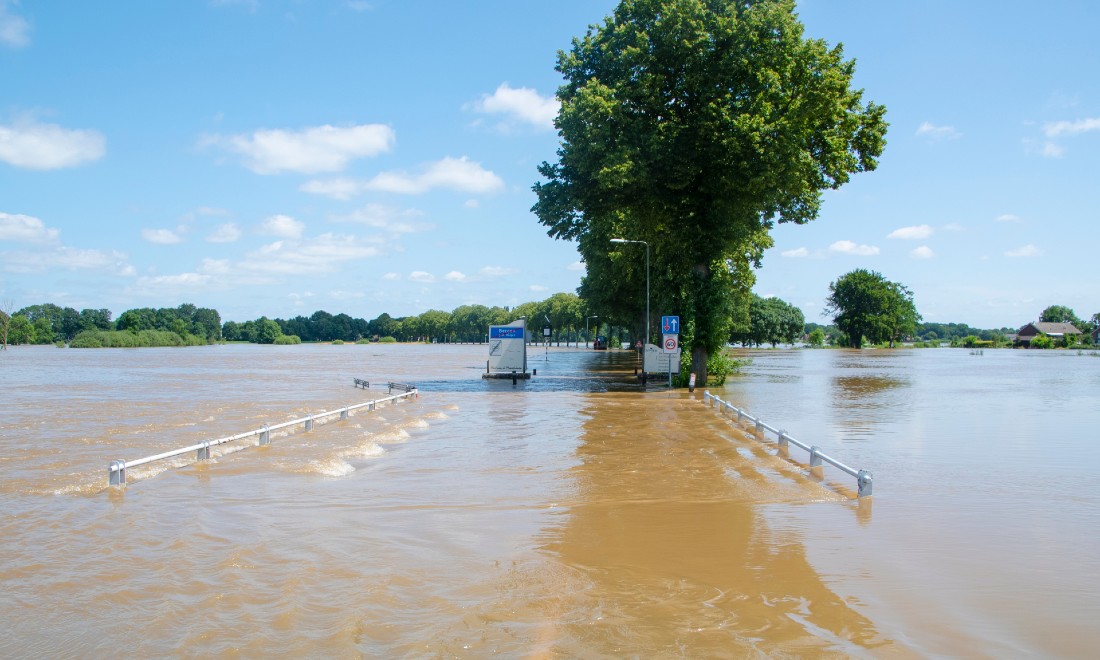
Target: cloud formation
[
  {"x": 848, "y": 247},
  {"x": 161, "y": 236},
  {"x": 922, "y": 252},
  {"x": 282, "y": 225},
  {"x": 1059, "y": 128},
  {"x": 520, "y": 104},
  {"x": 309, "y": 151},
  {"x": 14, "y": 30},
  {"x": 797, "y": 253},
  {"x": 227, "y": 233},
  {"x": 936, "y": 133},
  {"x": 25, "y": 229},
  {"x": 1028, "y": 250},
  {"x": 457, "y": 174},
  {"x": 916, "y": 232},
  {"x": 37, "y": 146}
]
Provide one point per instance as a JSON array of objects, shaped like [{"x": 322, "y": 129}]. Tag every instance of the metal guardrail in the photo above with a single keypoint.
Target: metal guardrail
[
  {"x": 116, "y": 470},
  {"x": 864, "y": 479}
]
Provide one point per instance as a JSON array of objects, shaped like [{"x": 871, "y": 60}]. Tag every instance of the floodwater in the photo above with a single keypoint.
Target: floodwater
[{"x": 574, "y": 515}]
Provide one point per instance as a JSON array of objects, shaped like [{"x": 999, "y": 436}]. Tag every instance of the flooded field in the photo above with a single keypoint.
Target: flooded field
[{"x": 574, "y": 515}]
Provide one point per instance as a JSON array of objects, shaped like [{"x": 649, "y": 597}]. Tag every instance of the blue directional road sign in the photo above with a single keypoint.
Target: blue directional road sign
[{"x": 670, "y": 325}]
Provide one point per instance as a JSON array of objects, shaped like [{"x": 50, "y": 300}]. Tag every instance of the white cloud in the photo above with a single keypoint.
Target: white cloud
[
  {"x": 954, "y": 226},
  {"x": 922, "y": 252},
  {"x": 421, "y": 276},
  {"x": 1060, "y": 128},
  {"x": 933, "y": 132},
  {"x": 537, "y": 288},
  {"x": 1052, "y": 150},
  {"x": 471, "y": 203},
  {"x": 14, "y": 30},
  {"x": 1008, "y": 217},
  {"x": 398, "y": 221},
  {"x": 183, "y": 280},
  {"x": 459, "y": 174},
  {"x": 912, "y": 233},
  {"x": 28, "y": 261},
  {"x": 295, "y": 257},
  {"x": 342, "y": 189},
  {"x": 359, "y": 5},
  {"x": 576, "y": 266},
  {"x": 796, "y": 253},
  {"x": 316, "y": 149},
  {"x": 282, "y": 225},
  {"x": 36, "y": 146},
  {"x": 848, "y": 247},
  {"x": 497, "y": 271},
  {"x": 455, "y": 276},
  {"x": 1028, "y": 250},
  {"x": 391, "y": 277},
  {"x": 25, "y": 229},
  {"x": 161, "y": 236},
  {"x": 226, "y": 233},
  {"x": 522, "y": 104}
]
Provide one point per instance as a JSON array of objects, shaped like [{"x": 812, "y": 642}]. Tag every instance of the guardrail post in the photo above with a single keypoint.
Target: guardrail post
[
  {"x": 740, "y": 415},
  {"x": 816, "y": 467},
  {"x": 864, "y": 481},
  {"x": 784, "y": 447},
  {"x": 344, "y": 413},
  {"x": 309, "y": 423},
  {"x": 116, "y": 473},
  {"x": 370, "y": 408},
  {"x": 265, "y": 436},
  {"x": 203, "y": 452},
  {"x": 759, "y": 429}
]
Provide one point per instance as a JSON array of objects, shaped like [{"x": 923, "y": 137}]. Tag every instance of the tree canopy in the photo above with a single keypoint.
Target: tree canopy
[
  {"x": 867, "y": 305},
  {"x": 694, "y": 125},
  {"x": 1062, "y": 314},
  {"x": 771, "y": 321}
]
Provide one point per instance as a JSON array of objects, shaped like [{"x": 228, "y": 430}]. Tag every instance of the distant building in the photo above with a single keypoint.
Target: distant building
[
  {"x": 1052, "y": 330},
  {"x": 1096, "y": 335}
]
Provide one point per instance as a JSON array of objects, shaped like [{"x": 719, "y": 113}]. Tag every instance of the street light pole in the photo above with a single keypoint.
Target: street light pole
[
  {"x": 624, "y": 240},
  {"x": 596, "y": 316}
]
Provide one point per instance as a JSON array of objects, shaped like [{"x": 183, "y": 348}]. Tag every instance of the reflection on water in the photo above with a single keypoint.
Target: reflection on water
[{"x": 573, "y": 515}]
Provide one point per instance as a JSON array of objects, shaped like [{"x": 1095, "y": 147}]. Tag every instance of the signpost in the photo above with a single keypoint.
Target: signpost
[{"x": 670, "y": 329}]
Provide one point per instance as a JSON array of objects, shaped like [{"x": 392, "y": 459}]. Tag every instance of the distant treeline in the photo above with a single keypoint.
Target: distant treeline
[{"x": 188, "y": 325}]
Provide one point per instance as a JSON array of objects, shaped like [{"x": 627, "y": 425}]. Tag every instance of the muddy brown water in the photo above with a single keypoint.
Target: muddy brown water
[{"x": 575, "y": 515}]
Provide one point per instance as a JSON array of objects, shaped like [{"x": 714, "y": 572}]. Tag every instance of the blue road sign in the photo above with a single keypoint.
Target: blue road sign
[{"x": 670, "y": 325}]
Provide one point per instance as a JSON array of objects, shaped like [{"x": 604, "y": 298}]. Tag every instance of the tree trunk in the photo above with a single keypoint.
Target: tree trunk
[{"x": 699, "y": 365}]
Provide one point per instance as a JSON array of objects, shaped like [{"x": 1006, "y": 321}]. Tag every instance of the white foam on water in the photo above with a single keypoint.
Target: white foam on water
[
  {"x": 391, "y": 436},
  {"x": 332, "y": 467},
  {"x": 436, "y": 414},
  {"x": 417, "y": 423}
]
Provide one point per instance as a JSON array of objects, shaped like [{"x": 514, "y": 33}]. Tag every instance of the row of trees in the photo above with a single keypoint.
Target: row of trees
[
  {"x": 566, "y": 313},
  {"x": 52, "y": 324}
]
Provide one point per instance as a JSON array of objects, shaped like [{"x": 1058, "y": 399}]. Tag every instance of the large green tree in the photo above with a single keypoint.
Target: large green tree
[
  {"x": 1061, "y": 314},
  {"x": 865, "y": 304},
  {"x": 694, "y": 125},
  {"x": 771, "y": 321}
]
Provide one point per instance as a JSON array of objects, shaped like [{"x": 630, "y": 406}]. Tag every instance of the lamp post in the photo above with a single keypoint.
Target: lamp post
[
  {"x": 624, "y": 240},
  {"x": 596, "y": 316}
]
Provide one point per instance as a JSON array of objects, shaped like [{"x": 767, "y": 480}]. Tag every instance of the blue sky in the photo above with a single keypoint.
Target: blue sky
[{"x": 277, "y": 158}]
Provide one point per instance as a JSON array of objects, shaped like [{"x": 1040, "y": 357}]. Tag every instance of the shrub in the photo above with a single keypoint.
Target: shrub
[
  {"x": 284, "y": 340},
  {"x": 1042, "y": 341},
  {"x": 387, "y": 340},
  {"x": 335, "y": 342}
]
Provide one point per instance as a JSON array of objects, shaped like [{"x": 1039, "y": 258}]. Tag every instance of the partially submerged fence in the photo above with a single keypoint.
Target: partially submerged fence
[
  {"x": 116, "y": 470},
  {"x": 863, "y": 478}
]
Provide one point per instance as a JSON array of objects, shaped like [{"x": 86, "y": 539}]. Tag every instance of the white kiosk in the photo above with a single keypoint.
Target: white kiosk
[{"x": 507, "y": 351}]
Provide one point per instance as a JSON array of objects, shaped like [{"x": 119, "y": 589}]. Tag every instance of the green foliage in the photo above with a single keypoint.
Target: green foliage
[
  {"x": 694, "y": 126},
  {"x": 1061, "y": 314},
  {"x": 867, "y": 305},
  {"x": 720, "y": 365},
  {"x": 817, "y": 338},
  {"x": 387, "y": 340},
  {"x": 1042, "y": 341},
  {"x": 335, "y": 342},
  {"x": 283, "y": 340},
  {"x": 128, "y": 339},
  {"x": 771, "y": 321}
]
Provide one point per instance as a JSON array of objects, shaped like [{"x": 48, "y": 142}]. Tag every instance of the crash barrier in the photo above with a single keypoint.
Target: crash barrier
[
  {"x": 116, "y": 470},
  {"x": 863, "y": 478}
]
